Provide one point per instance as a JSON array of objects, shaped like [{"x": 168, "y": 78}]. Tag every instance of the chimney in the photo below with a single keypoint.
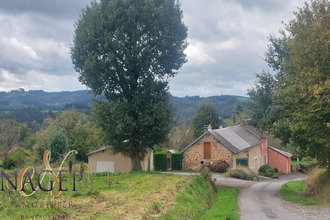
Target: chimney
[
  {"x": 205, "y": 128},
  {"x": 209, "y": 128}
]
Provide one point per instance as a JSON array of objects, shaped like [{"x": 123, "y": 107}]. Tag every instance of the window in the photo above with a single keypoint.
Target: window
[
  {"x": 207, "y": 150},
  {"x": 256, "y": 162}
]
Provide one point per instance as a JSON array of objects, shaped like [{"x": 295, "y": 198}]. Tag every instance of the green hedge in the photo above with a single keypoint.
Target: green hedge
[
  {"x": 160, "y": 161},
  {"x": 176, "y": 161},
  {"x": 242, "y": 162}
]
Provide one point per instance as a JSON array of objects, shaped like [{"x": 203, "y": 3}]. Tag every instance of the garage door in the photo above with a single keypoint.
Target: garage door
[{"x": 105, "y": 166}]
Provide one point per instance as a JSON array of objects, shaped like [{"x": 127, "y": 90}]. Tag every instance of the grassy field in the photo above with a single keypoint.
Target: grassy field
[
  {"x": 225, "y": 205},
  {"x": 293, "y": 191},
  {"x": 121, "y": 196},
  {"x": 129, "y": 196}
]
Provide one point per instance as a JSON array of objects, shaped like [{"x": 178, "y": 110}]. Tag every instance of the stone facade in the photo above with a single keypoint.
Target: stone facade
[{"x": 193, "y": 157}]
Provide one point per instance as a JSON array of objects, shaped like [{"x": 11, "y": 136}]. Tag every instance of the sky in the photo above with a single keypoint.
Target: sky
[{"x": 227, "y": 41}]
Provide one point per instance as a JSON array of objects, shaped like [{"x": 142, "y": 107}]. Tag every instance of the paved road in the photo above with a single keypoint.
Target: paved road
[
  {"x": 259, "y": 200},
  {"x": 262, "y": 201}
]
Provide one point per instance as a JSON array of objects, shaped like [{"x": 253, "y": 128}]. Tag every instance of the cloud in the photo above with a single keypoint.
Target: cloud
[{"x": 227, "y": 42}]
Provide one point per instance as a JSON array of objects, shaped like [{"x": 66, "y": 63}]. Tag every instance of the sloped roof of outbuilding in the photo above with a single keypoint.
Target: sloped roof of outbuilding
[
  {"x": 98, "y": 150},
  {"x": 284, "y": 153},
  {"x": 235, "y": 138}
]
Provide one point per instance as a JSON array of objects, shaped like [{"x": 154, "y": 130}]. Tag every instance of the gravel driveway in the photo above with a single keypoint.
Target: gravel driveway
[{"x": 261, "y": 200}]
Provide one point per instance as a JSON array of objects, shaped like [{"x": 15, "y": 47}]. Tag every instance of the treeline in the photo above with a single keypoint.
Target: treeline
[
  {"x": 186, "y": 107},
  {"x": 69, "y": 130}
]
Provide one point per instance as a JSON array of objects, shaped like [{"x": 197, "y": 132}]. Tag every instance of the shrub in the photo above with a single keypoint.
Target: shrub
[
  {"x": 266, "y": 170},
  {"x": 220, "y": 166},
  {"x": 176, "y": 161},
  {"x": 19, "y": 157},
  {"x": 317, "y": 185},
  {"x": 8, "y": 163},
  {"x": 242, "y": 162},
  {"x": 304, "y": 167},
  {"x": 160, "y": 161},
  {"x": 244, "y": 173},
  {"x": 208, "y": 177}
]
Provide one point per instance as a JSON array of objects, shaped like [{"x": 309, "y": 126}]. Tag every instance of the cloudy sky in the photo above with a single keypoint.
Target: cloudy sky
[{"x": 227, "y": 40}]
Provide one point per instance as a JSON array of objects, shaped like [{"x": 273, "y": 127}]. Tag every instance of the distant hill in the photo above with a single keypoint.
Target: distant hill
[
  {"x": 16, "y": 99},
  {"x": 185, "y": 107}
]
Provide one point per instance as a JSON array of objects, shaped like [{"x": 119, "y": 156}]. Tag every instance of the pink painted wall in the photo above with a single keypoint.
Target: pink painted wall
[{"x": 279, "y": 161}]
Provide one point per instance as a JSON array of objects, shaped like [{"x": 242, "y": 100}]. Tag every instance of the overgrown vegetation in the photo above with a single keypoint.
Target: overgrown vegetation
[
  {"x": 193, "y": 201},
  {"x": 225, "y": 205},
  {"x": 131, "y": 195},
  {"x": 244, "y": 173},
  {"x": 317, "y": 185}
]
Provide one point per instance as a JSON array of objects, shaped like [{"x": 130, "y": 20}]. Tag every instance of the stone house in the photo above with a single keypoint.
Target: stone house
[{"x": 230, "y": 143}]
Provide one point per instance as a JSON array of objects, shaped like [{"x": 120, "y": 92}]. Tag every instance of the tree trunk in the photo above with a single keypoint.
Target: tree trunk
[{"x": 136, "y": 163}]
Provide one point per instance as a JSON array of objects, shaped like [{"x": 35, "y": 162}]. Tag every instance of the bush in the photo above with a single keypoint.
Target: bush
[
  {"x": 242, "y": 162},
  {"x": 220, "y": 166},
  {"x": 304, "y": 167},
  {"x": 160, "y": 161},
  {"x": 8, "y": 163},
  {"x": 19, "y": 158},
  {"x": 317, "y": 185},
  {"x": 244, "y": 173},
  {"x": 176, "y": 161},
  {"x": 208, "y": 177},
  {"x": 266, "y": 170}
]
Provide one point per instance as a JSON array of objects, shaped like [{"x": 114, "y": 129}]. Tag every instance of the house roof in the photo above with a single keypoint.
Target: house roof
[
  {"x": 287, "y": 154},
  {"x": 98, "y": 150},
  {"x": 235, "y": 138}
]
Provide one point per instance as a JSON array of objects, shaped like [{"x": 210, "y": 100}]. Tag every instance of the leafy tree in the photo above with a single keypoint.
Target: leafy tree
[
  {"x": 205, "y": 115},
  {"x": 82, "y": 133},
  {"x": 262, "y": 100},
  {"x": 127, "y": 50},
  {"x": 12, "y": 133},
  {"x": 58, "y": 143},
  {"x": 182, "y": 136},
  {"x": 306, "y": 91},
  {"x": 300, "y": 97}
]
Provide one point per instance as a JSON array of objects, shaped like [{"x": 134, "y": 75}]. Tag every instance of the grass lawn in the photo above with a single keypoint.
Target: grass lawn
[
  {"x": 225, "y": 205},
  {"x": 293, "y": 191},
  {"x": 130, "y": 196}
]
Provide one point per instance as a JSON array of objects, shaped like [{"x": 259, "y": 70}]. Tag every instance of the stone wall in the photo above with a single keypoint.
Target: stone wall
[{"x": 194, "y": 155}]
